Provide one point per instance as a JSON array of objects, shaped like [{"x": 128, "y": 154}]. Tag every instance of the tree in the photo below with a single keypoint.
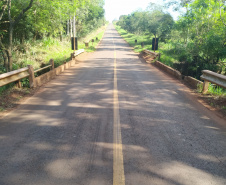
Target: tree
[
  {"x": 22, "y": 20},
  {"x": 204, "y": 37},
  {"x": 12, "y": 21},
  {"x": 154, "y": 21}
]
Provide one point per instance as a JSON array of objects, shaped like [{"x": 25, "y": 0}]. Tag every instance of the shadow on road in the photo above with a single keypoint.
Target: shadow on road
[{"x": 64, "y": 135}]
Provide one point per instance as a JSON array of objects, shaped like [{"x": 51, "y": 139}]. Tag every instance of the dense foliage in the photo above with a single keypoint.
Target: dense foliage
[
  {"x": 26, "y": 20},
  {"x": 197, "y": 40}
]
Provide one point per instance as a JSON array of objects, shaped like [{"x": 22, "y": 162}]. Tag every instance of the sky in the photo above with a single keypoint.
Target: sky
[{"x": 115, "y": 8}]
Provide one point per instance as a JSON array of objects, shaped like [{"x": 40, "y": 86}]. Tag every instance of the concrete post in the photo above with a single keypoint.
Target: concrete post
[
  {"x": 32, "y": 81},
  {"x": 205, "y": 87}
]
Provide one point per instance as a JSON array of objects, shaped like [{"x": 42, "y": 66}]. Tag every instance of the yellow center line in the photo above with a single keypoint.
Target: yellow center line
[{"x": 118, "y": 168}]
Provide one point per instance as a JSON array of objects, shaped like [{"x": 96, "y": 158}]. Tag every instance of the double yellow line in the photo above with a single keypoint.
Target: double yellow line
[{"x": 118, "y": 167}]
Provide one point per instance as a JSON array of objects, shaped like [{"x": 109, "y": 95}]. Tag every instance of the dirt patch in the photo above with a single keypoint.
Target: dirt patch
[
  {"x": 146, "y": 57},
  {"x": 217, "y": 102},
  {"x": 13, "y": 97}
]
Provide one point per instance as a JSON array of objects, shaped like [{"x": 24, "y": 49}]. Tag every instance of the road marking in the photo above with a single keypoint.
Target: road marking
[{"x": 118, "y": 168}]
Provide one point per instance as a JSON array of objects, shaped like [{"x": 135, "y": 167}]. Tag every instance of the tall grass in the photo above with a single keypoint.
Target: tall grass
[
  {"x": 40, "y": 52},
  {"x": 216, "y": 90}
]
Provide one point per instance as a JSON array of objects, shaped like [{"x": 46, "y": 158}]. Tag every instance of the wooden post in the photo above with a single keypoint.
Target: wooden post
[
  {"x": 159, "y": 56},
  {"x": 205, "y": 87},
  {"x": 19, "y": 85},
  {"x": 72, "y": 56},
  {"x": 51, "y": 62},
  {"x": 31, "y": 76},
  {"x": 142, "y": 44}
]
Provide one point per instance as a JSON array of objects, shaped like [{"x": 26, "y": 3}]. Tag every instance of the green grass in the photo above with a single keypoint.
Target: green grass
[
  {"x": 213, "y": 90},
  {"x": 40, "y": 52},
  {"x": 92, "y": 45},
  {"x": 130, "y": 38},
  {"x": 164, "y": 48},
  {"x": 216, "y": 90}
]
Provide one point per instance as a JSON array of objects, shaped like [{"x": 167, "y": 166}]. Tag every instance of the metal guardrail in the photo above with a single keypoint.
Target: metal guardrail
[
  {"x": 215, "y": 78},
  {"x": 78, "y": 52},
  {"x": 42, "y": 68},
  {"x": 17, "y": 75},
  {"x": 13, "y": 76}
]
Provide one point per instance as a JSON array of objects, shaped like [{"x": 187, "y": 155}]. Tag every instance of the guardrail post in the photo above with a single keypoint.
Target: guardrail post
[
  {"x": 51, "y": 62},
  {"x": 31, "y": 76},
  {"x": 18, "y": 84},
  {"x": 159, "y": 56},
  {"x": 215, "y": 78},
  {"x": 72, "y": 56},
  {"x": 205, "y": 87},
  {"x": 142, "y": 44}
]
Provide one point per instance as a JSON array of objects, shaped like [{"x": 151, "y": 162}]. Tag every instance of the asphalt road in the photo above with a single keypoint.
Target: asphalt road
[{"x": 112, "y": 119}]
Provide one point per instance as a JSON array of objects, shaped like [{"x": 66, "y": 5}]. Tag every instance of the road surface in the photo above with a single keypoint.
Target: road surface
[{"x": 112, "y": 119}]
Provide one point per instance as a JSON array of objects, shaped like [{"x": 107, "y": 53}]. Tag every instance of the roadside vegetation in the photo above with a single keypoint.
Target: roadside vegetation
[
  {"x": 194, "y": 42},
  {"x": 29, "y": 28},
  {"x": 216, "y": 96},
  {"x": 147, "y": 40},
  {"x": 38, "y": 53},
  {"x": 34, "y": 31},
  {"x": 60, "y": 51}
]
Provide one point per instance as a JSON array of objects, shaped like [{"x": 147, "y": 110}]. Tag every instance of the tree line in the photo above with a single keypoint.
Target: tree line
[
  {"x": 198, "y": 37},
  {"x": 24, "y": 20}
]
